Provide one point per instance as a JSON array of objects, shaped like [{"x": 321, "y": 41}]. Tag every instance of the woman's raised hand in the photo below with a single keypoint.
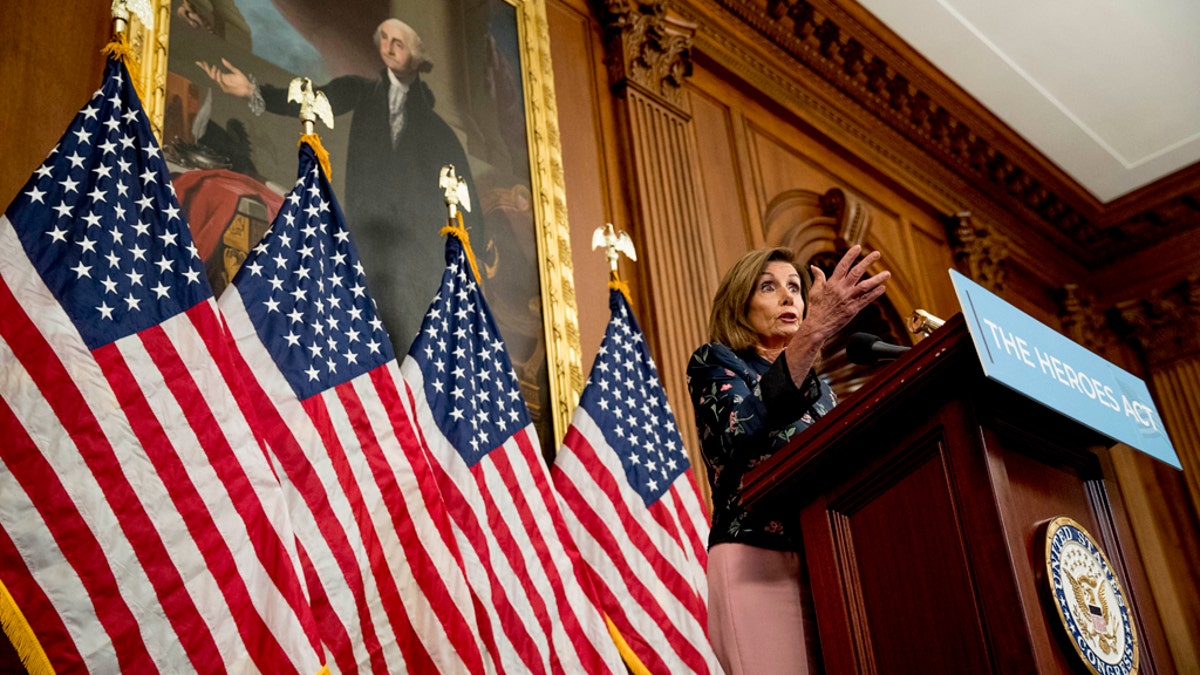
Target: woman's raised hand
[{"x": 834, "y": 301}]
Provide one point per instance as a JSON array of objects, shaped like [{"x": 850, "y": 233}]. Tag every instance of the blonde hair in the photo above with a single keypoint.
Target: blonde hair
[{"x": 727, "y": 323}]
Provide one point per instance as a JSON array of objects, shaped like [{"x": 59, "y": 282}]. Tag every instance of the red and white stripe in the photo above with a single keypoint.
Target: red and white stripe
[
  {"x": 650, "y": 562},
  {"x": 143, "y": 527},
  {"x": 388, "y": 587},
  {"x": 519, "y": 557}
]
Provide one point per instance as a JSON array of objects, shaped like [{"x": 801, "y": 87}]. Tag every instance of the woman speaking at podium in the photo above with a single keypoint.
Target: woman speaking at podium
[{"x": 754, "y": 387}]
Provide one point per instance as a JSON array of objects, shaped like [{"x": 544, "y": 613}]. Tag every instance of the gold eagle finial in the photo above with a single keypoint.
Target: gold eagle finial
[
  {"x": 454, "y": 190},
  {"x": 614, "y": 243},
  {"x": 313, "y": 104}
]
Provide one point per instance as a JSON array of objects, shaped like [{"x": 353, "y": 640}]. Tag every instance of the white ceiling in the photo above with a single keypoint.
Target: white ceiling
[{"x": 1109, "y": 90}]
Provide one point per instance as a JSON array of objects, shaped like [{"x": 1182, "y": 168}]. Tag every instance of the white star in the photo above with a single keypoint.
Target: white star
[
  {"x": 69, "y": 184},
  {"x": 35, "y": 195},
  {"x": 105, "y": 310},
  {"x": 110, "y": 286},
  {"x": 145, "y": 202},
  {"x": 82, "y": 270},
  {"x": 193, "y": 276},
  {"x": 58, "y": 234},
  {"x": 161, "y": 291},
  {"x": 132, "y": 302},
  {"x": 76, "y": 160}
]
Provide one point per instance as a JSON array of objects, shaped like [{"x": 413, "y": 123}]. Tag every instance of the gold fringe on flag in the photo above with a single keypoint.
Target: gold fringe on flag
[
  {"x": 632, "y": 661},
  {"x": 618, "y": 285},
  {"x": 314, "y": 142},
  {"x": 20, "y": 634},
  {"x": 119, "y": 50},
  {"x": 460, "y": 231}
]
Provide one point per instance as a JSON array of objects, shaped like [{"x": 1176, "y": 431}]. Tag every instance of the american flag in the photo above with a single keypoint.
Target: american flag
[
  {"x": 633, "y": 506},
  {"x": 386, "y": 581},
  {"x": 141, "y": 525},
  {"x": 520, "y": 560}
]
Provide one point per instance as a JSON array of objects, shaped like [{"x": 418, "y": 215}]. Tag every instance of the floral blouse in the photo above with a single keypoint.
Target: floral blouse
[{"x": 746, "y": 409}]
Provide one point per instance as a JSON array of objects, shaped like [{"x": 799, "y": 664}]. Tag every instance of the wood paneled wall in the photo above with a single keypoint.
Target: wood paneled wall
[{"x": 50, "y": 64}]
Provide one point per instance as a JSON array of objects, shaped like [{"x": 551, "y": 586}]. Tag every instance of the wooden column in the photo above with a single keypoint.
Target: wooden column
[
  {"x": 1164, "y": 328},
  {"x": 648, "y": 57}
]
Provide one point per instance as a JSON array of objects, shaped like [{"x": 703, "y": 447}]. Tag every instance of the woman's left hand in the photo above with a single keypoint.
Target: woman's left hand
[{"x": 834, "y": 301}]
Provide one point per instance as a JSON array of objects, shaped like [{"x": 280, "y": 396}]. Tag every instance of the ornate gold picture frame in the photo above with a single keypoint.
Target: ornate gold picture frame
[{"x": 552, "y": 377}]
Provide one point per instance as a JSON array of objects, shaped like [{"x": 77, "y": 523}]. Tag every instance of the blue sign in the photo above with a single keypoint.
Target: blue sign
[{"x": 1021, "y": 353}]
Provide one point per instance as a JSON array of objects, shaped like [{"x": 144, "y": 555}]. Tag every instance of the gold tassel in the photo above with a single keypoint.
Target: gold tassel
[
  {"x": 314, "y": 142},
  {"x": 119, "y": 50},
  {"x": 20, "y": 634},
  {"x": 618, "y": 285},
  {"x": 632, "y": 661},
  {"x": 460, "y": 231}
]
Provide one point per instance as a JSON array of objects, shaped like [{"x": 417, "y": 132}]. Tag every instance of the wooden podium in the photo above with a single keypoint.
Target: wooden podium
[{"x": 923, "y": 501}]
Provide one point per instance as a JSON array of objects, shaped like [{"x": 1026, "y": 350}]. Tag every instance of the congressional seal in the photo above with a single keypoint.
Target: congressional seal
[{"x": 1089, "y": 600}]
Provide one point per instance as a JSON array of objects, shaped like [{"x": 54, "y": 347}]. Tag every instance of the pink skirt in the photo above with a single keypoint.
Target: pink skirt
[{"x": 760, "y": 611}]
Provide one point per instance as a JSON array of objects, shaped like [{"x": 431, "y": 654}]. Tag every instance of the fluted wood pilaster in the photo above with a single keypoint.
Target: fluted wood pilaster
[
  {"x": 1165, "y": 329},
  {"x": 1178, "y": 390}
]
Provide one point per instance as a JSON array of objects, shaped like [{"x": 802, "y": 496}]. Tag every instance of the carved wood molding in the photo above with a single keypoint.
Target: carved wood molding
[
  {"x": 647, "y": 47},
  {"x": 1082, "y": 321},
  {"x": 946, "y": 124},
  {"x": 979, "y": 251},
  {"x": 1164, "y": 327}
]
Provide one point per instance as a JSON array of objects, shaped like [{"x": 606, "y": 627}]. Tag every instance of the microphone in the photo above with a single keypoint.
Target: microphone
[{"x": 867, "y": 350}]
